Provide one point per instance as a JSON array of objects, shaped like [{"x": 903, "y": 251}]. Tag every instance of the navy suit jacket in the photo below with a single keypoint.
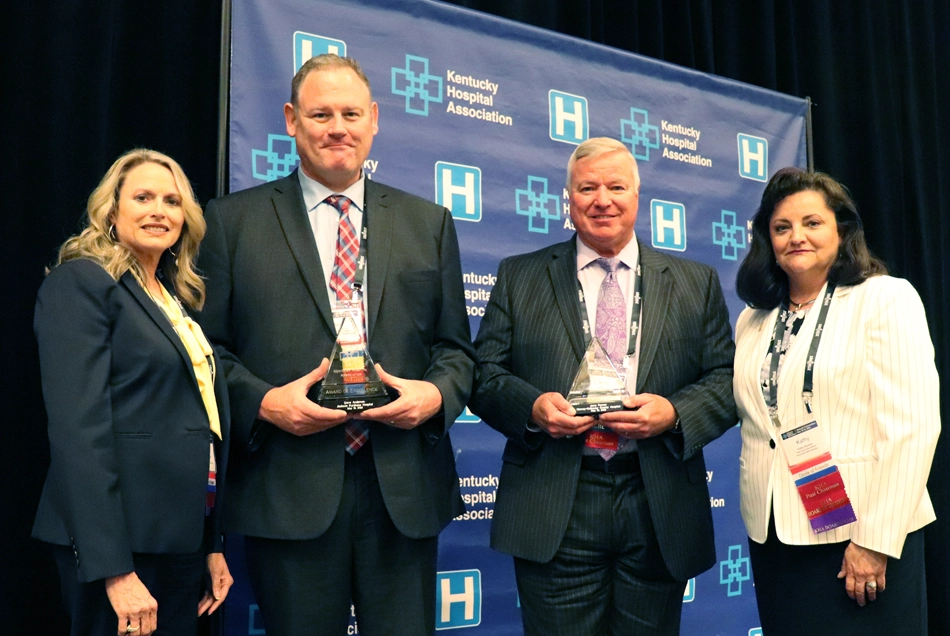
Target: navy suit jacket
[
  {"x": 531, "y": 342},
  {"x": 269, "y": 308},
  {"x": 128, "y": 429}
]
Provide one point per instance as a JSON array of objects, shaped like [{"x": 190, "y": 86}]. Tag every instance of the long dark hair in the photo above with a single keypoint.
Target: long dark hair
[{"x": 761, "y": 282}]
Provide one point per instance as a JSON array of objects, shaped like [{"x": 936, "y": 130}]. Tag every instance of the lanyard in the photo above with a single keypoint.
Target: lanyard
[
  {"x": 359, "y": 278},
  {"x": 634, "y": 319},
  {"x": 777, "y": 334}
]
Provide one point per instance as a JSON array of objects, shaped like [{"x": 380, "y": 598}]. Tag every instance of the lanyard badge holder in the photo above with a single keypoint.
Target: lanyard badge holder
[
  {"x": 599, "y": 386},
  {"x": 807, "y": 451},
  {"x": 351, "y": 383}
]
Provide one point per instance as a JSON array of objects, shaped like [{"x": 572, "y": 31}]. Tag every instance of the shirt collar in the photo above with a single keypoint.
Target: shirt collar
[
  {"x": 628, "y": 255},
  {"x": 315, "y": 192}
]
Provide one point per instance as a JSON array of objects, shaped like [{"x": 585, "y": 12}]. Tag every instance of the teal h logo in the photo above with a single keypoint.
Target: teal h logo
[
  {"x": 753, "y": 157},
  {"x": 458, "y": 599},
  {"x": 459, "y": 188},
  {"x": 307, "y": 45},
  {"x": 568, "y": 116},
  {"x": 668, "y": 221}
]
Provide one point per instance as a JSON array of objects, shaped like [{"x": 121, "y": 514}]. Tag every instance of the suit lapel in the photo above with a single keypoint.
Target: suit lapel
[
  {"x": 292, "y": 216},
  {"x": 563, "y": 272},
  {"x": 657, "y": 287},
  {"x": 379, "y": 217},
  {"x": 160, "y": 319}
]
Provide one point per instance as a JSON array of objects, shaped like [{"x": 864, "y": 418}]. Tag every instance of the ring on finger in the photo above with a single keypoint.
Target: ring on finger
[{"x": 871, "y": 585}]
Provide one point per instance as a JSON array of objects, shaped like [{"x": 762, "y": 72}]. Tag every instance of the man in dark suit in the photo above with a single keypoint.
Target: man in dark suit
[
  {"x": 326, "y": 522},
  {"x": 606, "y": 524}
]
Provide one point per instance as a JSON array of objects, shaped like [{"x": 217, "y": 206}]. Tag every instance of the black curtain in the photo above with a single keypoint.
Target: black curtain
[{"x": 85, "y": 80}]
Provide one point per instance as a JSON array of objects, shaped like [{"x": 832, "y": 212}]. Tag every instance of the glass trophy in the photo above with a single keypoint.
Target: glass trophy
[
  {"x": 351, "y": 383},
  {"x": 598, "y": 387}
]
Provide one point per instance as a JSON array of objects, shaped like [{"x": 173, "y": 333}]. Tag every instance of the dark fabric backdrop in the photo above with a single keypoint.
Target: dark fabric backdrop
[{"x": 85, "y": 80}]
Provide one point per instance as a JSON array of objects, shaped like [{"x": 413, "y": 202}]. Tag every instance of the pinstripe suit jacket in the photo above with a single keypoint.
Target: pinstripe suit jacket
[
  {"x": 875, "y": 395},
  {"x": 531, "y": 342}
]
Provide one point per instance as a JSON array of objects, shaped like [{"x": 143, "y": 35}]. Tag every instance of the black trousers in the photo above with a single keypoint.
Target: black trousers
[
  {"x": 798, "y": 592},
  {"x": 608, "y": 576},
  {"x": 306, "y": 587},
  {"x": 174, "y": 580}
]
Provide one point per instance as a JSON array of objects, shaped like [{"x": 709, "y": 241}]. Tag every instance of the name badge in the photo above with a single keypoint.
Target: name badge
[
  {"x": 603, "y": 439},
  {"x": 817, "y": 478}
]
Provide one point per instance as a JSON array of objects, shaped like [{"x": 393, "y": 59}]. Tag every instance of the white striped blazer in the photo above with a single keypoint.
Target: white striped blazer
[{"x": 875, "y": 396}]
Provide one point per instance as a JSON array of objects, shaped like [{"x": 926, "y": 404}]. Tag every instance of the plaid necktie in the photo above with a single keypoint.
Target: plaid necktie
[{"x": 341, "y": 282}]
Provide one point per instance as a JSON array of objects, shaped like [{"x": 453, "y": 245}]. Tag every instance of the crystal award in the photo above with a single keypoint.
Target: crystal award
[
  {"x": 598, "y": 387},
  {"x": 351, "y": 383}
]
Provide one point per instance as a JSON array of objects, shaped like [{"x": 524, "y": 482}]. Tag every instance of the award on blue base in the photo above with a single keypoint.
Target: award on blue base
[{"x": 598, "y": 387}]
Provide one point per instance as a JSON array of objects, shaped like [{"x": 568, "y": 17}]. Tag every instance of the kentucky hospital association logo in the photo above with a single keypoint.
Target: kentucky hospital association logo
[
  {"x": 734, "y": 570},
  {"x": 416, "y": 84},
  {"x": 307, "y": 45},
  {"x": 278, "y": 161},
  {"x": 458, "y": 599},
  {"x": 640, "y": 133},
  {"x": 568, "y": 117},
  {"x": 729, "y": 235},
  {"x": 536, "y": 203},
  {"x": 753, "y": 157},
  {"x": 459, "y": 188}
]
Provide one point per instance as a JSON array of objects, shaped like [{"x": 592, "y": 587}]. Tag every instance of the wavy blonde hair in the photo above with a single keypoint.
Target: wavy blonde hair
[{"x": 97, "y": 240}]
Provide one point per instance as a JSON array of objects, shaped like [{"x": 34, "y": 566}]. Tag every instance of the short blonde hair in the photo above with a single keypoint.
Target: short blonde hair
[
  {"x": 97, "y": 241},
  {"x": 595, "y": 147}
]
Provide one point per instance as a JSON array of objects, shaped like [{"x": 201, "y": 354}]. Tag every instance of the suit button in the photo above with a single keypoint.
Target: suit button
[{"x": 771, "y": 443}]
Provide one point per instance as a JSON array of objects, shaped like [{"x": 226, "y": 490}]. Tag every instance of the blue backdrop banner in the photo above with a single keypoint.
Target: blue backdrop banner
[{"x": 480, "y": 115}]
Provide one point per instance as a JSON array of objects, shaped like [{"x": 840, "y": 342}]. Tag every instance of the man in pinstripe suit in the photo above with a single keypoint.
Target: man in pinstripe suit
[{"x": 605, "y": 525}]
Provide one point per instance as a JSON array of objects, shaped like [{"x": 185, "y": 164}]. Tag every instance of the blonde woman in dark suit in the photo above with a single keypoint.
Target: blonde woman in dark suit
[
  {"x": 832, "y": 349},
  {"x": 138, "y": 416}
]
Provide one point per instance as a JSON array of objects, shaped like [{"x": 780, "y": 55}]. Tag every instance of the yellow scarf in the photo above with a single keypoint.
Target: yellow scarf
[{"x": 199, "y": 350}]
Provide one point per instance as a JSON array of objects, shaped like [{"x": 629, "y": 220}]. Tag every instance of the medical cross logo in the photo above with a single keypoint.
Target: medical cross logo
[
  {"x": 458, "y": 599},
  {"x": 278, "y": 161},
  {"x": 459, "y": 188},
  {"x": 668, "y": 222},
  {"x": 639, "y": 133},
  {"x": 568, "y": 115},
  {"x": 753, "y": 157},
  {"x": 689, "y": 594},
  {"x": 467, "y": 417},
  {"x": 729, "y": 235},
  {"x": 536, "y": 203},
  {"x": 415, "y": 84},
  {"x": 307, "y": 45},
  {"x": 734, "y": 570}
]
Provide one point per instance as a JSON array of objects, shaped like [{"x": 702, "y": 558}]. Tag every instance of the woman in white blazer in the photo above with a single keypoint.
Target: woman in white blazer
[{"x": 810, "y": 281}]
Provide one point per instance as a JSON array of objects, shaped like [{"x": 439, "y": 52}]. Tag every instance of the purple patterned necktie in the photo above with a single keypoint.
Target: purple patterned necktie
[
  {"x": 611, "y": 328},
  {"x": 341, "y": 282}
]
